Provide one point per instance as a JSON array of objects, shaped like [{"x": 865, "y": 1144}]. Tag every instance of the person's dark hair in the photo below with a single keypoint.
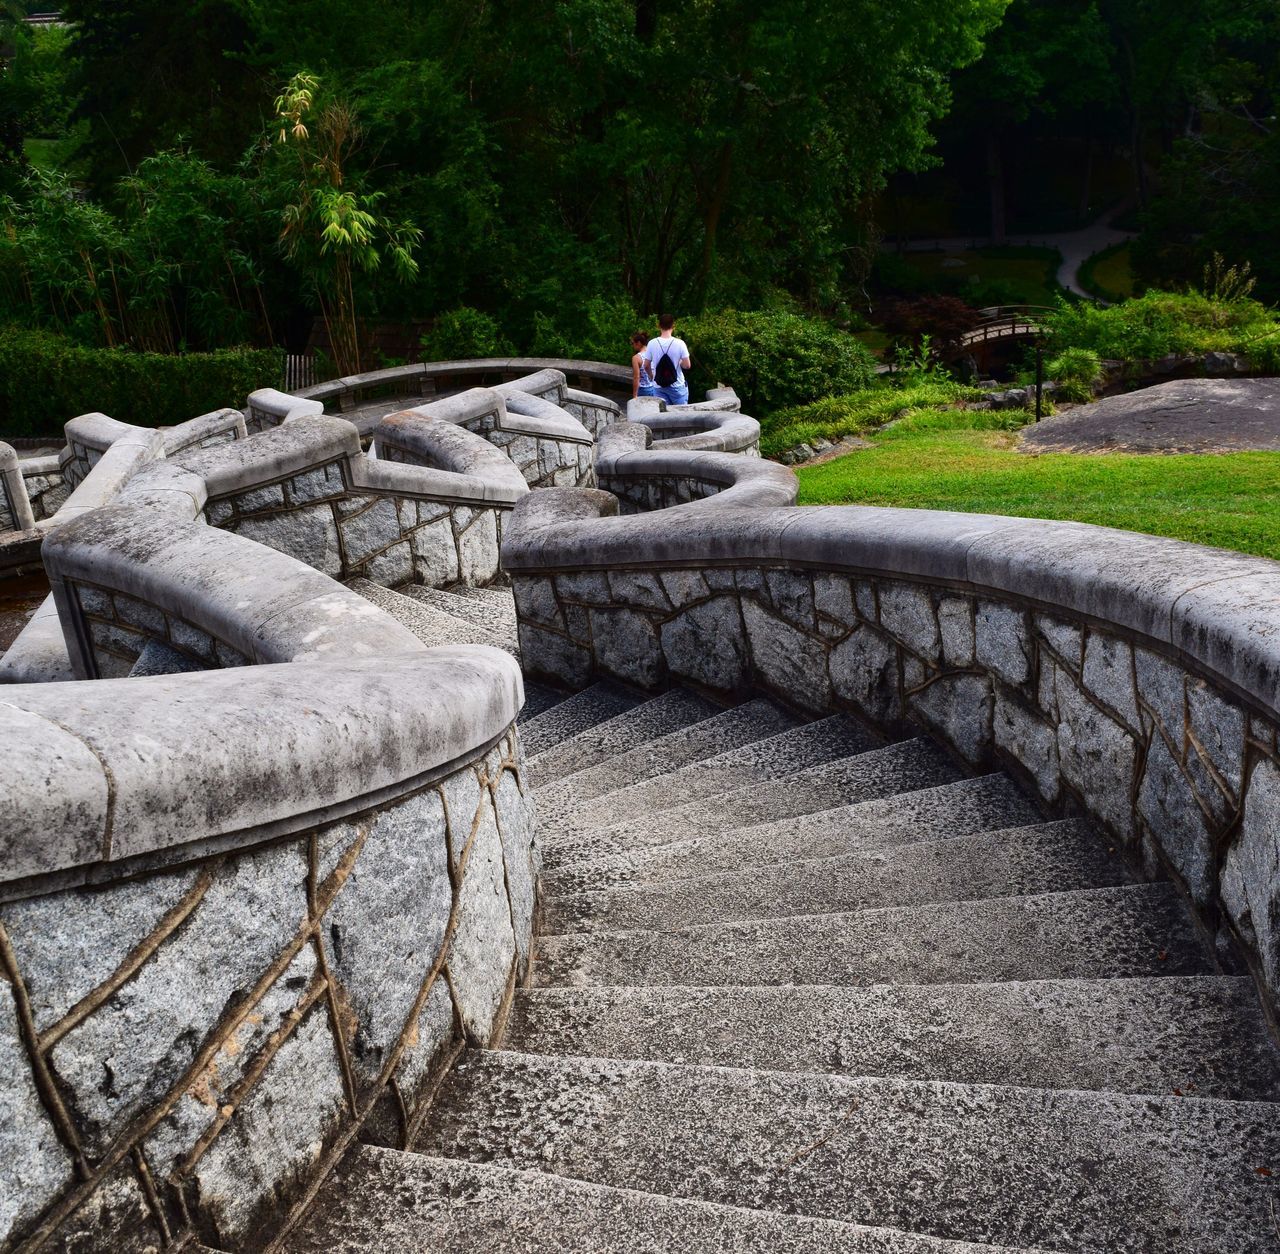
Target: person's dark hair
[
  {"x": 639, "y": 337},
  {"x": 666, "y": 322}
]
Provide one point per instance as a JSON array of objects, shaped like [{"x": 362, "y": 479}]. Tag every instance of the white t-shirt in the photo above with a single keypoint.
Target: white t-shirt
[{"x": 675, "y": 348}]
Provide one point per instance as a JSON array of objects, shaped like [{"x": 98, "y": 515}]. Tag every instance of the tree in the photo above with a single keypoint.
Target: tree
[{"x": 330, "y": 230}]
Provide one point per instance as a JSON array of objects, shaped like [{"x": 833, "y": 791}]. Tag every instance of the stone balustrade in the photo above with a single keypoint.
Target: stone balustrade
[
  {"x": 1131, "y": 678},
  {"x": 15, "y": 506},
  {"x": 311, "y": 863},
  {"x": 715, "y": 426}
]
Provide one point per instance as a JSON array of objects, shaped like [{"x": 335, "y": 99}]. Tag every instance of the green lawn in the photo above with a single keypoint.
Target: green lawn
[
  {"x": 1109, "y": 274},
  {"x": 1230, "y": 500}
]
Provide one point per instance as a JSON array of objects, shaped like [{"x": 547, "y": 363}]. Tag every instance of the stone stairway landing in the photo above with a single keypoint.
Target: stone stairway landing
[{"x": 798, "y": 990}]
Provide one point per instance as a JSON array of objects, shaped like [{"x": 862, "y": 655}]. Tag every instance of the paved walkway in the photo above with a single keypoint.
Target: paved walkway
[{"x": 1076, "y": 247}]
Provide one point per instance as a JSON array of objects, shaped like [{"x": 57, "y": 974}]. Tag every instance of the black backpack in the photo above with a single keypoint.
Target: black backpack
[{"x": 665, "y": 373}]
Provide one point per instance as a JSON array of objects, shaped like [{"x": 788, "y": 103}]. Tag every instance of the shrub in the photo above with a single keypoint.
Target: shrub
[
  {"x": 1161, "y": 323},
  {"x": 600, "y": 330},
  {"x": 1076, "y": 371},
  {"x": 46, "y": 380},
  {"x": 463, "y": 334},
  {"x": 775, "y": 360}
]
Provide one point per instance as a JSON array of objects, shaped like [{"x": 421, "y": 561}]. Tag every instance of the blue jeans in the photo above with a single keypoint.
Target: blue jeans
[
  {"x": 647, "y": 389},
  {"x": 676, "y": 394}
]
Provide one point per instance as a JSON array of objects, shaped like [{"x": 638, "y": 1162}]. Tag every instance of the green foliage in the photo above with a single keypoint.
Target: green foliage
[
  {"x": 1161, "y": 323},
  {"x": 45, "y": 380},
  {"x": 1109, "y": 274},
  {"x": 1075, "y": 371},
  {"x": 857, "y": 413},
  {"x": 462, "y": 334},
  {"x": 600, "y": 330},
  {"x": 775, "y": 360}
]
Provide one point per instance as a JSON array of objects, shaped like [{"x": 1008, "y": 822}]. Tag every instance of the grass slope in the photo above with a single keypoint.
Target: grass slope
[{"x": 1231, "y": 501}]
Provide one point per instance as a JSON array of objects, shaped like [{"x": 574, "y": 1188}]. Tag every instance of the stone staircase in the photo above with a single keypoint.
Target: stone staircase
[{"x": 799, "y": 991}]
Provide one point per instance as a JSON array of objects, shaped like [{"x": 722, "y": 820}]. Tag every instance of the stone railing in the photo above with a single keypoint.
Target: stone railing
[
  {"x": 654, "y": 480},
  {"x": 1130, "y": 678},
  {"x": 440, "y": 378},
  {"x": 313, "y": 878},
  {"x": 269, "y": 407},
  {"x": 15, "y": 506},
  {"x": 45, "y": 485},
  {"x": 713, "y": 427},
  {"x": 550, "y": 448}
]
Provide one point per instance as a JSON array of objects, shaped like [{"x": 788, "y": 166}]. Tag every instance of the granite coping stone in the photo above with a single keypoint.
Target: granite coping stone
[
  {"x": 1216, "y": 608},
  {"x": 312, "y": 741}
]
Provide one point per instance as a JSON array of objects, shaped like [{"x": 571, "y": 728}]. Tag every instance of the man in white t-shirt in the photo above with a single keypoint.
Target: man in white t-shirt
[{"x": 668, "y": 359}]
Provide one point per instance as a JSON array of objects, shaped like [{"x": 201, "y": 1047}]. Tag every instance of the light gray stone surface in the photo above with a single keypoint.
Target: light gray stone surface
[
  {"x": 411, "y": 1201},
  {"x": 1103, "y": 933},
  {"x": 1200, "y": 1035},
  {"x": 573, "y": 715},
  {"x": 384, "y": 931},
  {"x": 871, "y": 1150},
  {"x": 34, "y": 1165}
]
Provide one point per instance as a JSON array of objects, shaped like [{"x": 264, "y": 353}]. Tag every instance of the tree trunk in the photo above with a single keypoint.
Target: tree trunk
[
  {"x": 646, "y": 21},
  {"x": 1086, "y": 184},
  {"x": 995, "y": 188}
]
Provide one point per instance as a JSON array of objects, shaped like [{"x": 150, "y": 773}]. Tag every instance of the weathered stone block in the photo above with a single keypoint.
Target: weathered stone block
[
  {"x": 627, "y": 646},
  {"x": 435, "y": 554},
  {"x": 483, "y": 948},
  {"x": 309, "y": 534},
  {"x": 264, "y": 1155},
  {"x": 366, "y": 533},
  {"x": 637, "y": 588},
  {"x": 1251, "y": 872},
  {"x": 546, "y": 653},
  {"x": 461, "y": 792},
  {"x": 906, "y": 612},
  {"x": 864, "y": 670},
  {"x": 192, "y": 640},
  {"x": 1219, "y": 727},
  {"x": 1001, "y": 642},
  {"x": 257, "y": 500},
  {"x": 791, "y": 595},
  {"x": 68, "y": 943},
  {"x": 955, "y": 625},
  {"x": 1108, "y": 675},
  {"x": 792, "y": 663},
  {"x": 114, "y": 1220},
  {"x": 833, "y": 599},
  {"x": 1160, "y": 685},
  {"x": 147, "y": 618},
  {"x": 1097, "y": 756},
  {"x": 384, "y": 930},
  {"x": 1168, "y": 806},
  {"x": 116, "y": 639},
  {"x": 864, "y": 599},
  {"x": 684, "y": 587},
  {"x": 316, "y": 485},
  {"x": 122, "y": 1058},
  {"x": 426, "y": 1045},
  {"x": 958, "y": 708},
  {"x": 478, "y": 549},
  {"x": 517, "y": 826},
  {"x": 392, "y": 566},
  {"x": 1029, "y": 740},
  {"x": 34, "y": 1167},
  {"x": 1065, "y": 639},
  {"x": 706, "y": 644},
  {"x": 195, "y": 1110}
]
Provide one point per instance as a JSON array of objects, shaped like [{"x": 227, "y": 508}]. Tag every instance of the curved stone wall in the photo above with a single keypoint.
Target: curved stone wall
[
  {"x": 250, "y": 912},
  {"x": 1131, "y": 678}
]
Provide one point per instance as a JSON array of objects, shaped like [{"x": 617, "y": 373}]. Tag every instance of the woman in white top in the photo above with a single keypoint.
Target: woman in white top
[
  {"x": 641, "y": 371},
  {"x": 669, "y": 358}
]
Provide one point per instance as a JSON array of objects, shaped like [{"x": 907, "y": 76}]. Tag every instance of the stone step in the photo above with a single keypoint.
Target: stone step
[
  {"x": 431, "y": 626},
  {"x": 538, "y": 699},
  {"x": 625, "y": 731},
  {"x": 1015, "y": 1166},
  {"x": 784, "y": 754},
  {"x": 989, "y": 803},
  {"x": 504, "y": 598},
  {"x": 1101, "y": 933},
  {"x": 903, "y": 767},
  {"x": 383, "y": 1200},
  {"x": 575, "y": 714},
  {"x": 722, "y": 732},
  {"x": 499, "y": 620},
  {"x": 1201, "y": 1036},
  {"x": 1051, "y": 857}
]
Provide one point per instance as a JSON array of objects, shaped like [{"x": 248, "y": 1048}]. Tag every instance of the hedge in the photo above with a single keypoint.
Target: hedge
[{"x": 46, "y": 380}]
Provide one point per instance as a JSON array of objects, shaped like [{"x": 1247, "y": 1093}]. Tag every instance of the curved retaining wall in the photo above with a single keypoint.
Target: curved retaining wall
[
  {"x": 1128, "y": 677},
  {"x": 311, "y": 882}
]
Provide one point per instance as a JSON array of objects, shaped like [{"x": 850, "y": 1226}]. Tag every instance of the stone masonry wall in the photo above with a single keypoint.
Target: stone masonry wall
[
  {"x": 190, "y": 1050},
  {"x": 120, "y": 627},
  {"x": 544, "y": 462},
  {"x": 46, "y": 492},
  {"x": 641, "y": 494},
  {"x": 315, "y": 517},
  {"x": 1182, "y": 773}
]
